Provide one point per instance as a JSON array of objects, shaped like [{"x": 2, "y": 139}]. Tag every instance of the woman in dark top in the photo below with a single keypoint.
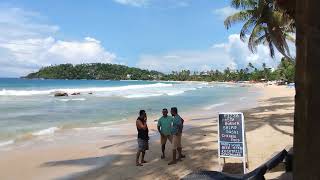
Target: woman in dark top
[{"x": 143, "y": 137}]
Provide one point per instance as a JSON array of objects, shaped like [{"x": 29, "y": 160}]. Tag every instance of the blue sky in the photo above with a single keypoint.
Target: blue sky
[{"x": 163, "y": 35}]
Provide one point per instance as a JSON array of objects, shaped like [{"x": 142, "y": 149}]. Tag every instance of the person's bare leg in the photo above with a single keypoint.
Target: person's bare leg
[
  {"x": 137, "y": 159},
  {"x": 174, "y": 160},
  {"x": 180, "y": 155},
  {"x": 163, "y": 148},
  {"x": 142, "y": 157}
]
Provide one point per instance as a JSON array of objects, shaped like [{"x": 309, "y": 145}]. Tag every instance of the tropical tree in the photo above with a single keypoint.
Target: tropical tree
[
  {"x": 286, "y": 70},
  {"x": 264, "y": 23}
]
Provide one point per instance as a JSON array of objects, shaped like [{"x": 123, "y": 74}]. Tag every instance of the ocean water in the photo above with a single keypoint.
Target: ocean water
[{"x": 29, "y": 108}]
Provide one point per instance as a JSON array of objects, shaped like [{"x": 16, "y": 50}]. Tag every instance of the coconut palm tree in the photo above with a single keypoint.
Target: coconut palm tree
[
  {"x": 264, "y": 22},
  {"x": 307, "y": 99}
]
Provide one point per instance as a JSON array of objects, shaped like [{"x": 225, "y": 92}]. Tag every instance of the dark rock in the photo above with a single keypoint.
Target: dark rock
[{"x": 58, "y": 94}]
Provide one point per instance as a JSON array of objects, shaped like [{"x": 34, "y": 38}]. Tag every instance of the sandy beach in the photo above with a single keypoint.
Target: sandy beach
[{"x": 269, "y": 129}]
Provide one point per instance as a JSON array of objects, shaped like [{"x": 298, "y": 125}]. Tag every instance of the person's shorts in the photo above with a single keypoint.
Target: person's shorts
[
  {"x": 176, "y": 141},
  {"x": 164, "y": 139},
  {"x": 143, "y": 145}
]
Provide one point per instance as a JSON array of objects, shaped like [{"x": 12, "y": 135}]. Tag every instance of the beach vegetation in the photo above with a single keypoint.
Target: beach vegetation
[
  {"x": 98, "y": 71},
  {"x": 94, "y": 71},
  {"x": 285, "y": 72}
]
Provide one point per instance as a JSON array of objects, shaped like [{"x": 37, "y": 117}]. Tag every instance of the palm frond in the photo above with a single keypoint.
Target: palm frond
[
  {"x": 290, "y": 38},
  {"x": 279, "y": 40},
  {"x": 237, "y": 17},
  {"x": 271, "y": 48},
  {"x": 265, "y": 23},
  {"x": 243, "y": 4},
  {"x": 247, "y": 27},
  {"x": 260, "y": 40},
  {"x": 257, "y": 32}
]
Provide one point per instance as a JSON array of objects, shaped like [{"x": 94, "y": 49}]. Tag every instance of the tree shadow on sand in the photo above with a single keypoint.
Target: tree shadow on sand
[
  {"x": 90, "y": 161},
  {"x": 258, "y": 117}
]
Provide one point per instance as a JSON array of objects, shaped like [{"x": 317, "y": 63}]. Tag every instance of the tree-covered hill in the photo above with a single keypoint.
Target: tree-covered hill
[
  {"x": 284, "y": 71},
  {"x": 94, "y": 71}
]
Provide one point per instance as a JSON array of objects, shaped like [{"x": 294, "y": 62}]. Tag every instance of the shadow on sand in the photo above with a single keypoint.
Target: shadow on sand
[
  {"x": 257, "y": 117},
  {"x": 90, "y": 161}
]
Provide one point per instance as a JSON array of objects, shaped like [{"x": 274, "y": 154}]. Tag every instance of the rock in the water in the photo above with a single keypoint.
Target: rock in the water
[
  {"x": 75, "y": 93},
  {"x": 58, "y": 94},
  {"x": 90, "y": 93}
]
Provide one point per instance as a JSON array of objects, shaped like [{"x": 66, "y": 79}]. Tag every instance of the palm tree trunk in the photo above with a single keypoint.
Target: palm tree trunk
[{"x": 307, "y": 100}]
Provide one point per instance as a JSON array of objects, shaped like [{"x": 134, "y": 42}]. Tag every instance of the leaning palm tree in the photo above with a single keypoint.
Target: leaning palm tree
[{"x": 264, "y": 22}]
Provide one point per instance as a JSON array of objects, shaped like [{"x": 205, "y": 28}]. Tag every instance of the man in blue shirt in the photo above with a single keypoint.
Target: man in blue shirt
[
  {"x": 176, "y": 131},
  {"x": 164, "y": 128}
]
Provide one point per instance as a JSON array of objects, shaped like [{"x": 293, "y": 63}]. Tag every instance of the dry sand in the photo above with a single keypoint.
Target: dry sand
[{"x": 269, "y": 129}]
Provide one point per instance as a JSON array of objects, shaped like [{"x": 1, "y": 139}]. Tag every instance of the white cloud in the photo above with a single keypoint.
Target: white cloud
[
  {"x": 224, "y": 12},
  {"x": 18, "y": 23},
  {"x": 234, "y": 54},
  {"x": 239, "y": 53},
  {"x": 88, "y": 50},
  {"x": 27, "y": 43},
  {"x": 154, "y": 3},
  {"x": 136, "y": 3},
  {"x": 179, "y": 60}
]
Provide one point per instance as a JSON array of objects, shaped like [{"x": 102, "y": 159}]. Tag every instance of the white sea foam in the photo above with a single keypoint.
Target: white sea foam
[
  {"x": 74, "y": 99},
  {"x": 112, "y": 122},
  {"x": 175, "y": 93},
  {"x": 47, "y": 131},
  {"x": 97, "y": 128},
  {"x": 6, "y": 143},
  {"x": 87, "y": 128},
  {"x": 214, "y": 106},
  {"x": 143, "y": 95},
  {"x": 5, "y": 92}
]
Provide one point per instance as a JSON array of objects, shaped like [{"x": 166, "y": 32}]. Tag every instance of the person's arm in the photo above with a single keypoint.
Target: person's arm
[
  {"x": 140, "y": 125},
  {"x": 158, "y": 126},
  {"x": 180, "y": 125},
  {"x": 182, "y": 120}
]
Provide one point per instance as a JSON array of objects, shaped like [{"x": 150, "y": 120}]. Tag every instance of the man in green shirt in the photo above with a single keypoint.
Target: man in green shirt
[{"x": 164, "y": 128}]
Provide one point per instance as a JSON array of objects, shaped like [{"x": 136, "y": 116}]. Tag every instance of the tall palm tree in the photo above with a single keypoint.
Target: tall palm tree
[{"x": 264, "y": 22}]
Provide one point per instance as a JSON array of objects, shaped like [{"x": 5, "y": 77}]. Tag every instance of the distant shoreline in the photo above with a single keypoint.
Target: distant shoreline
[{"x": 101, "y": 71}]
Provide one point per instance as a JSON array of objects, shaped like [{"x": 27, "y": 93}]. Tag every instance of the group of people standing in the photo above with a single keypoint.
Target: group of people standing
[{"x": 169, "y": 127}]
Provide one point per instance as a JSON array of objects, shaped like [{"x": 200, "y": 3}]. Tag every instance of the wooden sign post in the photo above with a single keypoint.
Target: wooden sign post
[{"x": 231, "y": 139}]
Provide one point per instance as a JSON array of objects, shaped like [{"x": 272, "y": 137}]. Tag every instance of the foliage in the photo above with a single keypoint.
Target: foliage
[
  {"x": 94, "y": 71},
  {"x": 264, "y": 23},
  {"x": 285, "y": 71}
]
